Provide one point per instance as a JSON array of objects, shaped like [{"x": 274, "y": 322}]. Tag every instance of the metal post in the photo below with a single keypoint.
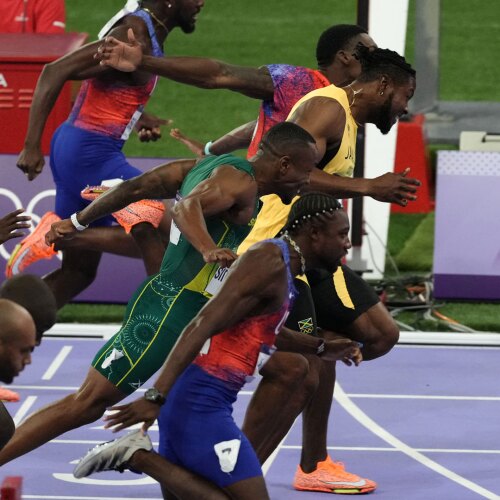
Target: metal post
[
  {"x": 356, "y": 262},
  {"x": 427, "y": 23}
]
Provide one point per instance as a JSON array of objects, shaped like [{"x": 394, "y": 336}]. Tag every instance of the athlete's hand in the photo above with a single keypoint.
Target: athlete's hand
[
  {"x": 140, "y": 410},
  {"x": 194, "y": 146},
  {"x": 222, "y": 256},
  {"x": 120, "y": 55},
  {"x": 342, "y": 349},
  {"x": 394, "y": 188},
  {"x": 60, "y": 230},
  {"x": 31, "y": 162},
  {"x": 12, "y": 224},
  {"x": 353, "y": 357},
  {"x": 148, "y": 127}
]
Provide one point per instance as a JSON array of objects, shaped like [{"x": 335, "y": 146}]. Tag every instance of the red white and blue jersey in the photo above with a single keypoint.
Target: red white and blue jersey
[
  {"x": 112, "y": 108},
  {"x": 290, "y": 84},
  {"x": 238, "y": 353}
]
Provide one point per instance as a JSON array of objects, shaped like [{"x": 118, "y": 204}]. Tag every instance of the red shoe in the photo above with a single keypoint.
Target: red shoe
[
  {"x": 8, "y": 396},
  {"x": 331, "y": 477},
  {"x": 92, "y": 192},
  {"x": 33, "y": 248}
]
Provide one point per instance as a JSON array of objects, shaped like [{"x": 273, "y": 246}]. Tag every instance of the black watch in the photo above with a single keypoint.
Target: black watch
[{"x": 155, "y": 396}]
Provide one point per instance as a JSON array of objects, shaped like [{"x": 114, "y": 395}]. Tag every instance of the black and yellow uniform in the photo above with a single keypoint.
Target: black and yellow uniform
[{"x": 348, "y": 295}]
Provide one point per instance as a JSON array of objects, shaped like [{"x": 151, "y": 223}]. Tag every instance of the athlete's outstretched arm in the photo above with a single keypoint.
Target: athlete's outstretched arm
[
  {"x": 160, "y": 182},
  {"x": 325, "y": 119},
  {"x": 78, "y": 65},
  {"x": 198, "y": 71},
  {"x": 244, "y": 293},
  {"x": 389, "y": 187}
]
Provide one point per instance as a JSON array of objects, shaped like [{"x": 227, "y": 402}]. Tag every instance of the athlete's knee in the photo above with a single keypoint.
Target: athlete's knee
[
  {"x": 87, "y": 406},
  {"x": 286, "y": 368},
  {"x": 310, "y": 382},
  {"x": 143, "y": 229}
]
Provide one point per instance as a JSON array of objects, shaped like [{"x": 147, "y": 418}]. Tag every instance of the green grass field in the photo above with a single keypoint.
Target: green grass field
[{"x": 267, "y": 31}]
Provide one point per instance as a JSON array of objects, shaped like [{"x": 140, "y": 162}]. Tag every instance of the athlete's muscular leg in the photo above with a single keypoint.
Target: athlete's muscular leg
[
  {"x": 77, "y": 272},
  {"x": 114, "y": 239},
  {"x": 315, "y": 419},
  {"x": 288, "y": 380},
  {"x": 378, "y": 332},
  {"x": 176, "y": 482},
  {"x": 108, "y": 239},
  {"x": 7, "y": 426},
  {"x": 249, "y": 489},
  {"x": 151, "y": 246},
  {"x": 81, "y": 408}
]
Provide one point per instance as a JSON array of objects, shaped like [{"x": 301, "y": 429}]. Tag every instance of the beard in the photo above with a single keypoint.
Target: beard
[
  {"x": 384, "y": 120},
  {"x": 187, "y": 25}
]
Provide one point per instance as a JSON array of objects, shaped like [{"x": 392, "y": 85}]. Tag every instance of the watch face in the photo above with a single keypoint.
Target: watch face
[{"x": 154, "y": 395}]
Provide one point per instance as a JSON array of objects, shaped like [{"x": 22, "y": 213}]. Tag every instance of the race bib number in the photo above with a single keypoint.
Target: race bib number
[{"x": 216, "y": 282}]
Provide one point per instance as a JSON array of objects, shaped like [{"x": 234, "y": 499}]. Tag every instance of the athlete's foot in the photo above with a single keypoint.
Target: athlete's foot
[
  {"x": 331, "y": 477},
  {"x": 112, "y": 455},
  {"x": 140, "y": 211},
  {"x": 8, "y": 396},
  {"x": 33, "y": 248}
]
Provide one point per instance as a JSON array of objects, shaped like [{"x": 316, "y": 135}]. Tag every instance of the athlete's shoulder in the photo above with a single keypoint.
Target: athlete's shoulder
[
  {"x": 268, "y": 252},
  {"x": 287, "y": 71}
]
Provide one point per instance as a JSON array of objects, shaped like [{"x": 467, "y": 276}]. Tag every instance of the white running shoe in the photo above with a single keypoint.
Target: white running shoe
[{"x": 112, "y": 455}]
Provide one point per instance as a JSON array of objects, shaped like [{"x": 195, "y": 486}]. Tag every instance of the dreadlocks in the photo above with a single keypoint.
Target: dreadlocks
[{"x": 380, "y": 61}]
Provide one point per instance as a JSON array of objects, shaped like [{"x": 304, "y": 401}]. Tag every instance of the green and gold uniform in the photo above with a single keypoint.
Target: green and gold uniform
[{"x": 165, "y": 303}]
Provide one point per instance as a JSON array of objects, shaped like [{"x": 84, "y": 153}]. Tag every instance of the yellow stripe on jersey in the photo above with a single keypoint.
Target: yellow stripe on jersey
[{"x": 341, "y": 288}]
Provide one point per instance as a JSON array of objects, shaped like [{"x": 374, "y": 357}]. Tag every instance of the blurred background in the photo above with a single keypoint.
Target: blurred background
[{"x": 285, "y": 31}]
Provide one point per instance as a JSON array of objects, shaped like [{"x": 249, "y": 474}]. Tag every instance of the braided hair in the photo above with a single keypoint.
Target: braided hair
[
  {"x": 311, "y": 207},
  {"x": 383, "y": 61},
  {"x": 333, "y": 39}
]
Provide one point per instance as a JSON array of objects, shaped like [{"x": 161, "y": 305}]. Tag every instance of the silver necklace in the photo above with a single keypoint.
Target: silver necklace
[
  {"x": 287, "y": 237},
  {"x": 354, "y": 94}
]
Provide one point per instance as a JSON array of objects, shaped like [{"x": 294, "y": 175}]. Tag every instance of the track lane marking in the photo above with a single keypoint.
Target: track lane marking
[{"x": 386, "y": 436}]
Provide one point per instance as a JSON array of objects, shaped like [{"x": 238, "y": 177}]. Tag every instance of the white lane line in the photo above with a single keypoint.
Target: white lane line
[
  {"x": 86, "y": 441},
  {"x": 58, "y": 361},
  {"x": 414, "y": 396},
  {"x": 267, "y": 464},
  {"x": 65, "y": 497},
  {"x": 299, "y": 447},
  {"x": 250, "y": 393},
  {"x": 25, "y": 408},
  {"x": 386, "y": 436},
  {"x": 374, "y": 448},
  {"x": 51, "y": 388}
]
